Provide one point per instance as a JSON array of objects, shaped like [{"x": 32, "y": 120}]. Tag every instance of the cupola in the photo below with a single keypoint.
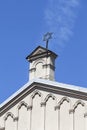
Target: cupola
[{"x": 42, "y": 64}]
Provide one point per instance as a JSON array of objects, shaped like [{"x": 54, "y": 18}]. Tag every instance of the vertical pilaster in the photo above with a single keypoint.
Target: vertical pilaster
[
  {"x": 85, "y": 116},
  {"x": 43, "y": 104},
  {"x": 16, "y": 123},
  {"x": 30, "y": 117},
  {"x": 72, "y": 119},
  {"x": 58, "y": 108},
  {"x": 4, "y": 123}
]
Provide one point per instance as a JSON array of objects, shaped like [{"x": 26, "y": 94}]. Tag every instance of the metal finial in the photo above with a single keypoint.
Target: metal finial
[{"x": 46, "y": 38}]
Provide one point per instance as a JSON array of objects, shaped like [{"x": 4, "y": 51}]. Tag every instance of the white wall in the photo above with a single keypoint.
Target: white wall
[{"x": 42, "y": 110}]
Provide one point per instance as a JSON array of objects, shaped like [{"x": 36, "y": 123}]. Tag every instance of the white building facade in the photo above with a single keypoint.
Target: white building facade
[{"x": 42, "y": 103}]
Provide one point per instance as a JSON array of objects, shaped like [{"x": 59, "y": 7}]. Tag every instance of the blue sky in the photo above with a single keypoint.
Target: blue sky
[{"x": 22, "y": 25}]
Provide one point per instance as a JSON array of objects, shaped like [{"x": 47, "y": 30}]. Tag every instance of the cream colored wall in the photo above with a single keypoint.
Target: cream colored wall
[
  {"x": 42, "y": 110},
  {"x": 40, "y": 68}
]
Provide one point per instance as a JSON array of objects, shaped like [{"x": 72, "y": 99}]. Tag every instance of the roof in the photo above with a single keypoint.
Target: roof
[
  {"x": 41, "y": 52},
  {"x": 51, "y": 85}
]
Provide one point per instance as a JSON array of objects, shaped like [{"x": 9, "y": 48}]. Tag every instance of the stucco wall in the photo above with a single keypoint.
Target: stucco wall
[{"x": 42, "y": 110}]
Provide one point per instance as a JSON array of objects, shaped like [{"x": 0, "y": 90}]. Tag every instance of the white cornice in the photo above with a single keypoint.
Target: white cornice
[{"x": 45, "y": 82}]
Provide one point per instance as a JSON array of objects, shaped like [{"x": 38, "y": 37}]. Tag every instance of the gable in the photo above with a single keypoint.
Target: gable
[
  {"x": 34, "y": 98},
  {"x": 47, "y": 86},
  {"x": 39, "y": 52}
]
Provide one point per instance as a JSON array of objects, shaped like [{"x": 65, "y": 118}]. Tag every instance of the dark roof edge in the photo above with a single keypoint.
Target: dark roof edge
[
  {"x": 75, "y": 91},
  {"x": 30, "y": 55}
]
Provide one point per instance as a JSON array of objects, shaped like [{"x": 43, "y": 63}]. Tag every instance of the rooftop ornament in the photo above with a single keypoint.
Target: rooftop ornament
[{"x": 47, "y": 37}]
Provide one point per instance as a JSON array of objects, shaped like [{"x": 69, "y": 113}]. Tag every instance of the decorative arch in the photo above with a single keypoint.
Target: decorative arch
[
  {"x": 61, "y": 102},
  {"x": 49, "y": 112},
  {"x": 77, "y": 103},
  {"x": 63, "y": 99},
  {"x": 40, "y": 61},
  {"x": 9, "y": 114},
  {"x": 50, "y": 95},
  {"x": 22, "y": 103},
  {"x": 36, "y": 92}
]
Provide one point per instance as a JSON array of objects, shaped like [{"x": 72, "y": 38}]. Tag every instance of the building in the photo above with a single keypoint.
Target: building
[{"x": 43, "y": 103}]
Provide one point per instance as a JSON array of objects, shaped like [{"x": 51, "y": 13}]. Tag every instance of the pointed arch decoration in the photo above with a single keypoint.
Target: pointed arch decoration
[
  {"x": 50, "y": 95},
  {"x": 49, "y": 110},
  {"x": 35, "y": 101},
  {"x": 61, "y": 102},
  {"x": 36, "y": 92},
  {"x": 22, "y": 103},
  {"x": 77, "y": 103},
  {"x": 78, "y": 114},
  {"x": 11, "y": 115},
  {"x": 22, "y": 111},
  {"x": 64, "y": 99},
  {"x": 63, "y": 107}
]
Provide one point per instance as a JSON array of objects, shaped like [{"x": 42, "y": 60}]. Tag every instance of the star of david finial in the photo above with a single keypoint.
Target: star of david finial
[{"x": 47, "y": 37}]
